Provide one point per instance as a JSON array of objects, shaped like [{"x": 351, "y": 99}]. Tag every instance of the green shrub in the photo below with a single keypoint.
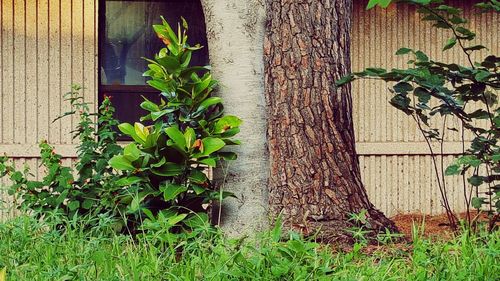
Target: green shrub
[
  {"x": 59, "y": 193},
  {"x": 167, "y": 160}
]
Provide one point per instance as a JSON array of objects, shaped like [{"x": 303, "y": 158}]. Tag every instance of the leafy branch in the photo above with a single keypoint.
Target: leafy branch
[{"x": 453, "y": 86}]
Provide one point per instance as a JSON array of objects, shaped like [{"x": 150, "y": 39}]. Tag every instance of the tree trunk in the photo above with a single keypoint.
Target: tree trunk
[{"x": 315, "y": 177}]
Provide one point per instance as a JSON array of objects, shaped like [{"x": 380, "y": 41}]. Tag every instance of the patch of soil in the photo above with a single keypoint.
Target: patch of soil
[
  {"x": 436, "y": 226},
  {"x": 432, "y": 225}
]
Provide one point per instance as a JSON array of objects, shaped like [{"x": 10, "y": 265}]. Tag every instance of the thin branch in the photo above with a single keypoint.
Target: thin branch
[
  {"x": 467, "y": 199},
  {"x": 449, "y": 214},
  {"x": 454, "y": 33}
]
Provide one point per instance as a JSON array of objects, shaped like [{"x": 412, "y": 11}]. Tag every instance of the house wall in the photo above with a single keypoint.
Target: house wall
[{"x": 45, "y": 45}]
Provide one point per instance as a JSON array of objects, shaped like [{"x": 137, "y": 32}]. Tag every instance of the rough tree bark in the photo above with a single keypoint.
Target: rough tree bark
[{"x": 315, "y": 175}]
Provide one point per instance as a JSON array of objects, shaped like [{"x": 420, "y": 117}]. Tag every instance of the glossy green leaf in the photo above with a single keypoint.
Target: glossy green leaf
[
  {"x": 196, "y": 221},
  {"x": 225, "y": 123},
  {"x": 211, "y": 162},
  {"x": 476, "y": 180},
  {"x": 475, "y": 48},
  {"x": 197, "y": 176},
  {"x": 166, "y": 31},
  {"x": 159, "y": 85},
  {"x": 471, "y": 160},
  {"x": 127, "y": 181},
  {"x": 131, "y": 152},
  {"x": 121, "y": 163},
  {"x": 453, "y": 170},
  {"x": 202, "y": 85},
  {"x": 171, "y": 64},
  {"x": 171, "y": 191},
  {"x": 344, "y": 80},
  {"x": 403, "y": 51},
  {"x": 149, "y": 105},
  {"x": 450, "y": 43},
  {"x": 174, "y": 220},
  {"x": 176, "y": 135},
  {"x": 482, "y": 75},
  {"x": 189, "y": 137},
  {"x": 209, "y": 102},
  {"x": 159, "y": 163},
  {"x": 403, "y": 87},
  {"x": 158, "y": 114},
  {"x": 127, "y": 129},
  {"x": 496, "y": 157},
  {"x": 156, "y": 68},
  {"x": 168, "y": 169},
  {"x": 421, "y": 56},
  {"x": 211, "y": 145},
  {"x": 422, "y": 94},
  {"x": 198, "y": 189},
  {"x": 381, "y": 3},
  {"x": 478, "y": 202},
  {"x": 141, "y": 131}
]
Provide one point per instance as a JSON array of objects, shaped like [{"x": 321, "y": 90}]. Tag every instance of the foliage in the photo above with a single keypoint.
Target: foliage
[
  {"x": 167, "y": 160},
  {"x": 386, "y": 3},
  {"x": 361, "y": 229},
  {"x": 158, "y": 181},
  {"x": 488, "y": 5},
  {"x": 468, "y": 93},
  {"x": 93, "y": 191},
  {"x": 30, "y": 250}
]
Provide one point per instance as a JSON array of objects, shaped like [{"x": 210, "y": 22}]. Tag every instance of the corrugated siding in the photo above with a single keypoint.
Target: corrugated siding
[
  {"x": 45, "y": 46},
  {"x": 394, "y": 158}
]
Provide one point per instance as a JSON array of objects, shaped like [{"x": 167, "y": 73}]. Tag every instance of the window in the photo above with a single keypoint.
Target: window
[{"x": 126, "y": 36}]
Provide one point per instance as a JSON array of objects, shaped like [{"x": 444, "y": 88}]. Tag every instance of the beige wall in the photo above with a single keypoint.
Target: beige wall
[
  {"x": 46, "y": 45},
  {"x": 394, "y": 158}
]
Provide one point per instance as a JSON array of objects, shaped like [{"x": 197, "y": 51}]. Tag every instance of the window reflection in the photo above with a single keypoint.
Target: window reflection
[{"x": 128, "y": 36}]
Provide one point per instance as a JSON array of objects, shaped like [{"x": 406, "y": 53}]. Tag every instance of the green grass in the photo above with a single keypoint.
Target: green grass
[{"x": 30, "y": 250}]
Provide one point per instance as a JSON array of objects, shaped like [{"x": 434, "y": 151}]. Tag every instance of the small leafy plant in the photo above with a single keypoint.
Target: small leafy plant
[
  {"x": 166, "y": 162},
  {"x": 92, "y": 191},
  {"x": 468, "y": 93}
]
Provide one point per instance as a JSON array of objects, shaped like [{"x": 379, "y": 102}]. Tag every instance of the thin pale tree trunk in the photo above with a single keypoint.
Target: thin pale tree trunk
[{"x": 315, "y": 177}]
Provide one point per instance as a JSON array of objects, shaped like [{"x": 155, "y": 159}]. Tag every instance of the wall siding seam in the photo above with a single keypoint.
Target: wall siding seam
[{"x": 364, "y": 148}]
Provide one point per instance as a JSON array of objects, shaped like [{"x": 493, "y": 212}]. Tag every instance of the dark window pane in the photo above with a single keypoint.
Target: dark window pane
[
  {"x": 128, "y": 36},
  {"x": 127, "y": 105}
]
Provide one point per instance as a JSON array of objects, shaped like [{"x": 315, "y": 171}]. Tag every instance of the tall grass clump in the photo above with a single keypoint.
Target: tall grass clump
[{"x": 33, "y": 250}]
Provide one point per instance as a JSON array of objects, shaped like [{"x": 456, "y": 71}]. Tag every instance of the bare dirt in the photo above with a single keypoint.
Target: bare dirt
[
  {"x": 431, "y": 226},
  {"x": 436, "y": 226}
]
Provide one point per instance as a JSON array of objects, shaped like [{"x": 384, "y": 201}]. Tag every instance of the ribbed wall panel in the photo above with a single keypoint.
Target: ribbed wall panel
[
  {"x": 45, "y": 46},
  {"x": 394, "y": 158}
]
